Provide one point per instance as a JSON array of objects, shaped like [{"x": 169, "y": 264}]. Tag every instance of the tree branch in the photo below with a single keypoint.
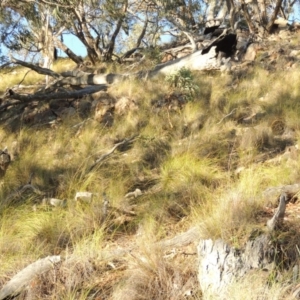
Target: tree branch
[
  {"x": 60, "y": 95},
  {"x": 36, "y": 68},
  {"x": 112, "y": 150}
]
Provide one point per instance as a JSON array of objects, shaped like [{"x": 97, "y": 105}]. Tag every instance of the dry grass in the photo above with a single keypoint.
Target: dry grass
[{"x": 184, "y": 161}]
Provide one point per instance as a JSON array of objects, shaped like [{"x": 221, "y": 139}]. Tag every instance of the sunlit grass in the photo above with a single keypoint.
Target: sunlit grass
[{"x": 184, "y": 162}]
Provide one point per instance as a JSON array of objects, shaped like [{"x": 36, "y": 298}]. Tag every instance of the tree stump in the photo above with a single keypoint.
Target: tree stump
[{"x": 221, "y": 265}]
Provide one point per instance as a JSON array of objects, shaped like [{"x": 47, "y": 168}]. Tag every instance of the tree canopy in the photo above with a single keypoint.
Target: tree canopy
[{"x": 114, "y": 29}]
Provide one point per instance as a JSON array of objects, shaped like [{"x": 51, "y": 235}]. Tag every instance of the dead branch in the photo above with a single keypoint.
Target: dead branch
[
  {"x": 230, "y": 114},
  {"x": 274, "y": 192},
  {"x": 24, "y": 77},
  {"x": 102, "y": 157},
  {"x": 36, "y": 68},
  {"x": 279, "y": 213},
  {"x": 180, "y": 240},
  {"x": 21, "y": 190}
]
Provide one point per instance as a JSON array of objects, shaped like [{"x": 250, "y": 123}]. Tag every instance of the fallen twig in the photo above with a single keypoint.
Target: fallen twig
[
  {"x": 105, "y": 155},
  {"x": 18, "y": 193},
  {"x": 231, "y": 113}
]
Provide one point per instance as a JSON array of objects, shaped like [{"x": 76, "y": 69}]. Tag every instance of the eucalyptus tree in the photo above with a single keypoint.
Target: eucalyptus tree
[
  {"x": 29, "y": 26},
  {"x": 259, "y": 15},
  {"x": 96, "y": 23}
]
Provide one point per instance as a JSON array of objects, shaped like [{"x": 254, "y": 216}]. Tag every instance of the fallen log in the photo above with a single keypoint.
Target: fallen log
[
  {"x": 22, "y": 279},
  {"x": 95, "y": 82},
  {"x": 55, "y": 95},
  {"x": 220, "y": 265},
  {"x": 195, "y": 61},
  {"x": 271, "y": 195}
]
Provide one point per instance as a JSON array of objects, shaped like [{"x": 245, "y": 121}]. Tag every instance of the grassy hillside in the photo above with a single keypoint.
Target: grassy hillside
[{"x": 202, "y": 153}]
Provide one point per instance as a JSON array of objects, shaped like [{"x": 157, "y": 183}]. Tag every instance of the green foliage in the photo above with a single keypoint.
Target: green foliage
[
  {"x": 153, "y": 54},
  {"x": 183, "y": 79}
]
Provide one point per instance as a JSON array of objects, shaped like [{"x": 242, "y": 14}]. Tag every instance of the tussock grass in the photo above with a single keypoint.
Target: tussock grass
[
  {"x": 151, "y": 274},
  {"x": 245, "y": 289},
  {"x": 20, "y": 75},
  {"x": 230, "y": 212},
  {"x": 183, "y": 160},
  {"x": 182, "y": 171}
]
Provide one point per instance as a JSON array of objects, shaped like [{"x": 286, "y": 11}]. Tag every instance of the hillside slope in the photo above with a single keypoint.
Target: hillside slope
[{"x": 171, "y": 154}]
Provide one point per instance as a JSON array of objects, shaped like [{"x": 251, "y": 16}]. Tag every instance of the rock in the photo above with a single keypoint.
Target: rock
[
  {"x": 225, "y": 65},
  {"x": 278, "y": 127},
  {"x": 284, "y": 34},
  {"x": 134, "y": 194},
  {"x": 65, "y": 112},
  {"x": 125, "y": 104},
  {"x": 54, "y": 202},
  {"x": 295, "y": 53},
  {"x": 58, "y": 103},
  {"x": 281, "y": 22},
  {"x": 103, "y": 97},
  {"x": 83, "y": 107},
  {"x": 104, "y": 109},
  {"x": 251, "y": 52},
  {"x": 38, "y": 116},
  {"x": 84, "y": 196}
]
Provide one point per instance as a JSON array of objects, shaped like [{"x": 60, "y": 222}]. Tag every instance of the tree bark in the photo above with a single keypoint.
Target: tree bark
[
  {"x": 274, "y": 15},
  {"x": 111, "y": 45},
  {"x": 247, "y": 17}
]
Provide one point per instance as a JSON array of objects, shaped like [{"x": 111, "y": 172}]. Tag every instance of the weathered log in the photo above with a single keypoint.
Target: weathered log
[
  {"x": 60, "y": 95},
  {"x": 22, "y": 279},
  {"x": 194, "y": 61},
  {"x": 96, "y": 82},
  {"x": 220, "y": 264},
  {"x": 272, "y": 194},
  {"x": 279, "y": 213}
]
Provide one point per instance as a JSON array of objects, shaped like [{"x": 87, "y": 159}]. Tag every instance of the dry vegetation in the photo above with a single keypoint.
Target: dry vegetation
[{"x": 194, "y": 166}]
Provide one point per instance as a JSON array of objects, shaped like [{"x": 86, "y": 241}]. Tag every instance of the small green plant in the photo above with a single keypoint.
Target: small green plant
[{"x": 183, "y": 79}]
